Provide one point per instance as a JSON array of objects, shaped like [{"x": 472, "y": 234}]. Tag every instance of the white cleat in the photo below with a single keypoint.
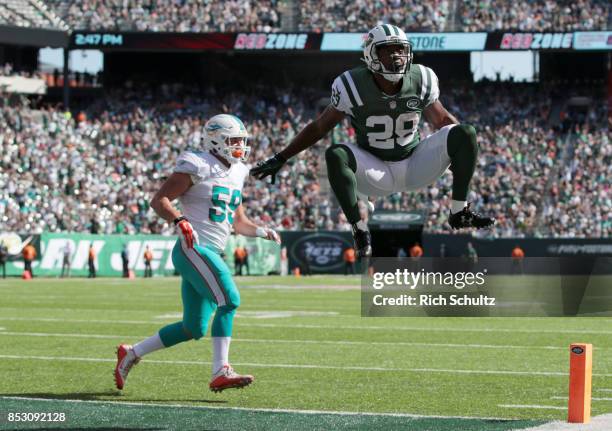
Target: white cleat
[
  {"x": 227, "y": 378},
  {"x": 126, "y": 359}
]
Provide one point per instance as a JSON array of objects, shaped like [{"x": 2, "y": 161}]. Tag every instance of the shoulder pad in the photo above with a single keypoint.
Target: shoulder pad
[
  {"x": 190, "y": 163},
  {"x": 430, "y": 90}
]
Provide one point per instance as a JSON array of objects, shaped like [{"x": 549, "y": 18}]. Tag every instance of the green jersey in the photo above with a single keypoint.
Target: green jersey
[{"x": 386, "y": 126}]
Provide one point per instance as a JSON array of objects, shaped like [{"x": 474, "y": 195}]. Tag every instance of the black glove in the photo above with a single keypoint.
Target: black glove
[{"x": 268, "y": 167}]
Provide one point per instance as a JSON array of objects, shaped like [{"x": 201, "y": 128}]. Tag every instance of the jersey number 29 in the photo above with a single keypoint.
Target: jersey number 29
[
  {"x": 400, "y": 131},
  {"x": 225, "y": 203}
]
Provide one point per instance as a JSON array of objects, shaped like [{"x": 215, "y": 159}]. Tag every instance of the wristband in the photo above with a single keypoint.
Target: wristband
[
  {"x": 179, "y": 219},
  {"x": 261, "y": 232}
]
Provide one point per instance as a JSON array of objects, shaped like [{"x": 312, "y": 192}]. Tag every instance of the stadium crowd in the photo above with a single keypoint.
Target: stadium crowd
[
  {"x": 96, "y": 171},
  {"x": 170, "y": 15},
  {"x": 538, "y": 15},
  {"x": 361, "y": 15},
  {"x": 332, "y": 15}
]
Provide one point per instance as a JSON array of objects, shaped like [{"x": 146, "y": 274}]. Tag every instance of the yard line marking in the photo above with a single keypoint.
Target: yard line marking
[
  {"x": 592, "y": 398},
  {"x": 310, "y": 366},
  {"x": 603, "y": 390},
  {"x": 58, "y": 319},
  {"x": 432, "y": 329},
  {"x": 327, "y": 327},
  {"x": 530, "y": 406},
  {"x": 256, "y": 409},
  {"x": 279, "y": 341}
]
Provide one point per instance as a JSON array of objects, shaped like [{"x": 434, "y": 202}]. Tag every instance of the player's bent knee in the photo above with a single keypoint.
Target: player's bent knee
[
  {"x": 462, "y": 136},
  {"x": 338, "y": 156},
  {"x": 232, "y": 303},
  {"x": 196, "y": 329}
]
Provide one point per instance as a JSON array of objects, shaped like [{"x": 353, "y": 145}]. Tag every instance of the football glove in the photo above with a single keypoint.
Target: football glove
[
  {"x": 269, "y": 167},
  {"x": 269, "y": 234},
  {"x": 187, "y": 235}
]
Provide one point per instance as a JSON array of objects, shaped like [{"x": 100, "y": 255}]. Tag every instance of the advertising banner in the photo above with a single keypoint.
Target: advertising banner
[
  {"x": 304, "y": 41},
  {"x": 515, "y": 41},
  {"x": 195, "y": 41},
  {"x": 264, "y": 256},
  {"x": 593, "y": 40},
  {"x": 420, "y": 41},
  {"x": 456, "y": 246},
  {"x": 317, "y": 252}
]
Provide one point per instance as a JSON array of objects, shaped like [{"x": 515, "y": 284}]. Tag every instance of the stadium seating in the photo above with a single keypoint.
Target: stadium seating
[
  {"x": 170, "y": 16},
  {"x": 29, "y": 13},
  {"x": 328, "y": 15},
  {"x": 539, "y": 15},
  {"x": 97, "y": 171}
]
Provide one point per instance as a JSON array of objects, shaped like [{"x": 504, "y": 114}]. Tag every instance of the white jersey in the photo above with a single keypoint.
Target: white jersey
[{"x": 210, "y": 203}]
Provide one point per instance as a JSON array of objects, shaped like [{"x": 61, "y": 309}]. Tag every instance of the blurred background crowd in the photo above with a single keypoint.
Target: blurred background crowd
[
  {"x": 544, "y": 168},
  {"x": 309, "y": 15},
  {"x": 96, "y": 171}
]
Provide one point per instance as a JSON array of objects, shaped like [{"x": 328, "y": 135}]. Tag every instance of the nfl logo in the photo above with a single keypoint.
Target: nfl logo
[{"x": 392, "y": 105}]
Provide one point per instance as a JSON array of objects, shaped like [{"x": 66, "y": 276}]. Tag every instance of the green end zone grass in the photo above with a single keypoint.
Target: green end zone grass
[{"x": 308, "y": 348}]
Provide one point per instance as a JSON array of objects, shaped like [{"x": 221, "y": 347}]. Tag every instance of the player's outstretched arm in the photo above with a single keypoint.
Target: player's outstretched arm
[
  {"x": 244, "y": 226},
  {"x": 437, "y": 115},
  {"x": 309, "y": 136}
]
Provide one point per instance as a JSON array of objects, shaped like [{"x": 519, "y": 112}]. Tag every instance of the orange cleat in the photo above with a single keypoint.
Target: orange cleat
[
  {"x": 126, "y": 359},
  {"x": 227, "y": 378}
]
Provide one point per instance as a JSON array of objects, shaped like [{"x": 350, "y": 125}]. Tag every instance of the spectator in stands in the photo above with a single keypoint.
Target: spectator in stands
[
  {"x": 148, "y": 258},
  {"x": 29, "y": 254}
]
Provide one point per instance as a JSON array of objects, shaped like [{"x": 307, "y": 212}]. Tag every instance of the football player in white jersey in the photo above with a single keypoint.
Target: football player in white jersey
[{"x": 208, "y": 185}]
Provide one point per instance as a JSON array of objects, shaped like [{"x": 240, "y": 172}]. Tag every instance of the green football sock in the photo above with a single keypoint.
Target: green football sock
[
  {"x": 463, "y": 151},
  {"x": 341, "y": 167}
]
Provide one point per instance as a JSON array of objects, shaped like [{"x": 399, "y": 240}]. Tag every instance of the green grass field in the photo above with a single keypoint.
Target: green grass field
[{"x": 317, "y": 363}]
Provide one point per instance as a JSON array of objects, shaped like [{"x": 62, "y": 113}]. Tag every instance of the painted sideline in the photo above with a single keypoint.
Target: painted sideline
[
  {"x": 309, "y": 366},
  {"x": 256, "y": 409}
]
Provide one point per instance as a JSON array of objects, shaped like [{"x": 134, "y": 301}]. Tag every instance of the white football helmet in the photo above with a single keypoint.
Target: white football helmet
[
  {"x": 226, "y": 136},
  {"x": 386, "y": 34}
]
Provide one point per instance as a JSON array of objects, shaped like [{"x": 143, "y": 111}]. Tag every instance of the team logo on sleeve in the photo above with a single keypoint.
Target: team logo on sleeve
[
  {"x": 413, "y": 102},
  {"x": 335, "y": 99}
]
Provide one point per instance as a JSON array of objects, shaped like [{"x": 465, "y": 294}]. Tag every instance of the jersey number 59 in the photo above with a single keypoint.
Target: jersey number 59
[
  {"x": 400, "y": 131},
  {"x": 224, "y": 204}
]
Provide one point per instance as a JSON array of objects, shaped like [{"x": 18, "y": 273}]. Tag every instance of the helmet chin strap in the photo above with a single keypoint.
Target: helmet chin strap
[{"x": 392, "y": 77}]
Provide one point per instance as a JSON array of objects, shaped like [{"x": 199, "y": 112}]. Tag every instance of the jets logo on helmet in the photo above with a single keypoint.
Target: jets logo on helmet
[
  {"x": 386, "y": 34},
  {"x": 226, "y": 136}
]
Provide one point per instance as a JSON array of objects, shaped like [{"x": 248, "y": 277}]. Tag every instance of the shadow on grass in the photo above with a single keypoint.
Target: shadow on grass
[{"x": 110, "y": 395}]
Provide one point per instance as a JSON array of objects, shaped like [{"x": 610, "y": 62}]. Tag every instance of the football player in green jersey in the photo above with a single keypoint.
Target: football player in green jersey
[{"x": 385, "y": 100}]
